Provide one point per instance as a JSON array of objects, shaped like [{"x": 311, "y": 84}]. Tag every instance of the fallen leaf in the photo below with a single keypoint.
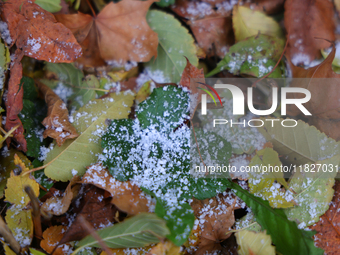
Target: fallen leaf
[
  {"x": 37, "y": 32},
  {"x": 324, "y": 104},
  {"x": 212, "y": 27},
  {"x": 267, "y": 6},
  {"x": 119, "y": 32},
  {"x": 89, "y": 121},
  {"x": 165, "y": 248},
  {"x": 304, "y": 21},
  {"x": 49, "y": 5},
  {"x": 97, "y": 210},
  {"x": 247, "y": 22},
  {"x": 7, "y": 249},
  {"x": 57, "y": 121},
  {"x": 58, "y": 205},
  {"x": 215, "y": 218},
  {"x": 125, "y": 196},
  {"x": 328, "y": 228},
  {"x": 15, "y": 193},
  {"x": 52, "y": 237},
  {"x": 251, "y": 243}
]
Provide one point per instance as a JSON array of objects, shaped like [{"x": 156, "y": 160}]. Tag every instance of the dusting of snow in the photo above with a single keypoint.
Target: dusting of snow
[
  {"x": 5, "y": 34},
  {"x": 63, "y": 91}
]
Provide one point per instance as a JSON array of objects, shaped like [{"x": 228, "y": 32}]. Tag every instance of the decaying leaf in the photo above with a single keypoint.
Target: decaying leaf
[
  {"x": 248, "y": 22},
  {"x": 38, "y": 34},
  {"x": 58, "y": 205},
  {"x": 328, "y": 227},
  {"x": 305, "y": 21},
  {"x": 251, "y": 243},
  {"x": 57, "y": 122},
  {"x": 125, "y": 196},
  {"x": 165, "y": 248},
  {"x": 52, "y": 237},
  {"x": 119, "y": 32},
  {"x": 215, "y": 218}
]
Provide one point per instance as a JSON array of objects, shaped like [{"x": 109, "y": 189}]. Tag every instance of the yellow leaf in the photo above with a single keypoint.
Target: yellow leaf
[
  {"x": 7, "y": 165},
  {"x": 251, "y": 243},
  {"x": 122, "y": 75},
  {"x": 165, "y": 248},
  {"x": 8, "y": 250},
  {"x": 247, "y": 22},
  {"x": 15, "y": 193},
  {"x": 144, "y": 92},
  {"x": 265, "y": 185},
  {"x": 20, "y": 223}
]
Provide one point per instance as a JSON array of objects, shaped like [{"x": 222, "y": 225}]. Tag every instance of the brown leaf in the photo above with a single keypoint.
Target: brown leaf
[
  {"x": 59, "y": 204},
  {"x": 125, "y": 196},
  {"x": 211, "y": 28},
  {"x": 324, "y": 104},
  {"x": 304, "y": 20},
  {"x": 95, "y": 207},
  {"x": 328, "y": 227},
  {"x": 56, "y": 123},
  {"x": 119, "y": 33},
  {"x": 14, "y": 103},
  {"x": 37, "y": 32},
  {"x": 52, "y": 237},
  {"x": 215, "y": 217},
  {"x": 267, "y": 6}
]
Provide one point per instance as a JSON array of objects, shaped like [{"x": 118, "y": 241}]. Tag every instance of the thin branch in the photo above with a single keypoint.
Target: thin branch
[
  {"x": 35, "y": 212},
  {"x": 6, "y": 233}
]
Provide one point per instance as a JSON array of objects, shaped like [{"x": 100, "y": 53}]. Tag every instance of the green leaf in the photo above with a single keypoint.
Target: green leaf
[
  {"x": 89, "y": 122},
  {"x": 247, "y": 22},
  {"x": 255, "y": 56},
  {"x": 312, "y": 191},
  {"x": 165, "y": 105},
  {"x": 179, "y": 220},
  {"x": 36, "y": 252},
  {"x": 165, "y": 3},
  {"x": 138, "y": 231},
  {"x": 301, "y": 144},
  {"x": 49, "y": 5},
  {"x": 288, "y": 239},
  {"x": 175, "y": 42}
]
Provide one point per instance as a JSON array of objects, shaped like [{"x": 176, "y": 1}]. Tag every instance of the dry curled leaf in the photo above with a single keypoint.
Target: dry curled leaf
[
  {"x": 52, "y": 237},
  {"x": 328, "y": 227},
  {"x": 304, "y": 21},
  {"x": 125, "y": 196},
  {"x": 59, "y": 204},
  {"x": 119, "y": 33},
  {"x": 56, "y": 123}
]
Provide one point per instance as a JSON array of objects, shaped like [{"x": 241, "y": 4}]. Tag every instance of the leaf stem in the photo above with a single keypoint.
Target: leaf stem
[{"x": 92, "y": 10}]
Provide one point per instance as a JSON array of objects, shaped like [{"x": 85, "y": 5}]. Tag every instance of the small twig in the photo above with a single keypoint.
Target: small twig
[
  {"x": 40, "y": 167},
  {"x": 35, "y": 212},
  {"x": 93, "y": 12},
  {"x": 94, "y": 234},
  {"x": 9, "y": 238}
]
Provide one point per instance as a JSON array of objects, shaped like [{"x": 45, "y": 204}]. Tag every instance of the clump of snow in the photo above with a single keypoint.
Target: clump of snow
[
  {"x": 63, "y": 91},
  {"x": 5, "y": 34},
  {"x": 301, "y": 59},
  {"x": 44, "y": 151}
]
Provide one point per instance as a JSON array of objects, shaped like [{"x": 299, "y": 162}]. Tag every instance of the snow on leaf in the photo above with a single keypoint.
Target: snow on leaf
[
  {"x": 89, "y": 122},
  {"x": 175, "y": 43},
  {"x": 51, "y": 238}
]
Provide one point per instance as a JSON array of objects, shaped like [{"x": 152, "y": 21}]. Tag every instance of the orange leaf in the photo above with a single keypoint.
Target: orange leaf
[
  {"x": 52, "y": 237},
  {"x": 125, "y": 196},
  {"x": 328, "y": 227},
  {"x": 119, "y": 33},
  {"x": 56, "y": 123},
  {"x": 304, "y": 20}
]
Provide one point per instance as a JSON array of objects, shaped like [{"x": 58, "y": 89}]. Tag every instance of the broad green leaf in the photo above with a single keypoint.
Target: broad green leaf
[
  {"x": 179, "y": 220},
  {"x": 20, "y": 223},
  {"x": 49, "y": 5},
  {"x": 67, "y": 73},
  {"x": 301, "y": 144},
  {"x": 312, "y": 191},
  {"x": 254, "y": 56},
  {"x": 89, "y": 122},
  {"x": 288, "y": 239},
  {"x": 250, "y": 243},
  {"x": 247, "y": 22},
  {"x": 165, "y": 105},
  {"x": 263, "y": 184},
  {"x": 175, "y": 43},
  {"x": 138, "y": 231}
]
